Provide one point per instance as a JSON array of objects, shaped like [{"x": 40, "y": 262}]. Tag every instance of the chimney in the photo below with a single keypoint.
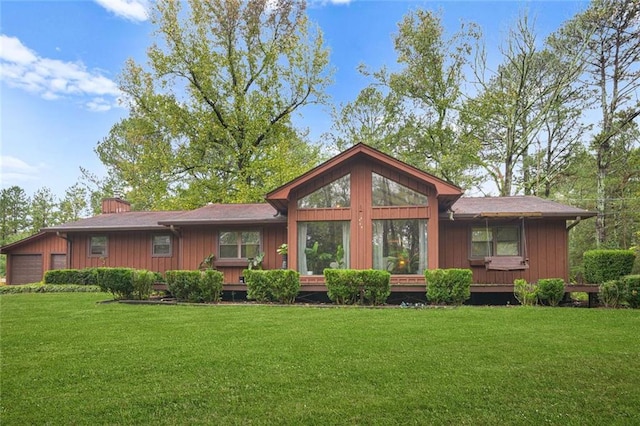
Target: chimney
[{"x": 115, "y": 205}]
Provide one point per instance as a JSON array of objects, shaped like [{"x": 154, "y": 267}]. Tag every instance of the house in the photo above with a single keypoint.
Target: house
[{"x": 361, "y": 209}]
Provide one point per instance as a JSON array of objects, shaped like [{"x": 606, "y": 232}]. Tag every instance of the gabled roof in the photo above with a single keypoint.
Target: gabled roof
[
  {"x": 446, "y": 192},
  {"x": 515, "y": 206},
  {"x": 227, "y": 214},
  {"x": 125, "y": 221},
  {"x": 6, "y": 248}
]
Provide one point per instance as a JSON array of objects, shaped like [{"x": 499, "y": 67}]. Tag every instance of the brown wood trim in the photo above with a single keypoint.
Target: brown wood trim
[{"x": 231, "y": 263}]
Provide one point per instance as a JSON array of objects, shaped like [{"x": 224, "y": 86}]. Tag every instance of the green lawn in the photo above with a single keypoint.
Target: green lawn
[{"x": 69, "y": 360}]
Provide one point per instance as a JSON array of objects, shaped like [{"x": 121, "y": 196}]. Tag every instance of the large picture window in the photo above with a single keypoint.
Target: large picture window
[
  {"x": 336, "y": 194},
  {"x": 161, "y": 246},
  {"x": 323, "y": 245},
  {"x": 239, "y": 244},
  {"x": 400, "y": 246},
  {"x": 386, "y": 192},
  {"x": 495, "y": 241},
  {"x": 98, "y": 246}
]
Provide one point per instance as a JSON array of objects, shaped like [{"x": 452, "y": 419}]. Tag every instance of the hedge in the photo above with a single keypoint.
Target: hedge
[
  {"x": 117, "y": 281},
  {"x": 195, "y": 286},
  {"x": 349, "y": 286},
  {"x": 605, "y": 265},
  {"x": 49, "y": 288},
  {"x": 448, "y": 286},
  {"x": 631, "y": 285},
  {"x": 277, "y": 285},
  {"x": 550, "y": 290},
  {"x": 87, "y": 276}
]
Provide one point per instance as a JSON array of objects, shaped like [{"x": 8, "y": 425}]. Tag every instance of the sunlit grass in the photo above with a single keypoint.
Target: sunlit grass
[{"x": 69, "y": 360}]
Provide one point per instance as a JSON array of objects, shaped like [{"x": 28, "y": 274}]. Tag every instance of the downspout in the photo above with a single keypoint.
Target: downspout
[
  {"x": 175, "y": 231},
  {"x": 69, "y": 248}
]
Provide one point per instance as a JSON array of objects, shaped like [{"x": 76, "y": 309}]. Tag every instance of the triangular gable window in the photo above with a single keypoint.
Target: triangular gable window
[
  {"x": 386, "y": 192},
  {"x": 336, "y": 194}
]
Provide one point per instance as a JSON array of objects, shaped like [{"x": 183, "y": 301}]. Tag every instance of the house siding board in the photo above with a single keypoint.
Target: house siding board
[
  {"x": 546, "y": 248},
  {"x": 44, "y": 246}
]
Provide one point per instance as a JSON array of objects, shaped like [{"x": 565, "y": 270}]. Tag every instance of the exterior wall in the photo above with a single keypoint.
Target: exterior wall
[
  {"x": 128, "y": 249},
  {"x": 46, "y": 246},
  {"x": 361, "y": 212},
  {"x": 546, "y": 248}
]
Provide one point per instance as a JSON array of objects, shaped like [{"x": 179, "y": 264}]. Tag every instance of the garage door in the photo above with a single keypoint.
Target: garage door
[{"x": 26, "y": 268}]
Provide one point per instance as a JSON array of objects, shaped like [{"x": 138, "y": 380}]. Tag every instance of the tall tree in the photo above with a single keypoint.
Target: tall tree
[
  {"x": 609, "y": 30},
  {"x": 43, "y": 209},
  {"x": 215, "y": 104},
  {"x": 14, "y": 210},
  {"x": 73, "y": 205}
]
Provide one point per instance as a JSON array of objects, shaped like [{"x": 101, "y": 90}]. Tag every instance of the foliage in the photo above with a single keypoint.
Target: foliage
[
  {"x": 49, "y": 288},
  {"x": 195, "y": 286},
  {"x": 211, "y": 115},
  {"x": 256, "y": 262},
  {"x": 143, "y": 281},
  {"x": 283, "y": 249},
  {"x": 611, "y": 293},
  {"x": 278, "y": 285},
  {"x": 550, "y": 290},
  {"x": 117, "y": 281},
  {"x": 448, "y": 286},
  {"x": 207, "y": 263},
  {"x": 350, "y": 286},
  {"x": 606, "y": 265},
  {"x": 631, "y": 284},
  {"x": 43, "y": 210},
  {"x": 524, "y": 292},
  {"x": 87, "y": 276}
]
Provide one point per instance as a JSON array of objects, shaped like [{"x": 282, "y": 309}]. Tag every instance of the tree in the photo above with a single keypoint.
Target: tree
[
  {"x": 43, "y": 209},
  {"x": 609, "y": 30},
  {"x": 214, "y": 107},
  {"x": 14, "y": 208},
  {"x": 74, "y": 204},
  {"x": 529, "y": 95}
]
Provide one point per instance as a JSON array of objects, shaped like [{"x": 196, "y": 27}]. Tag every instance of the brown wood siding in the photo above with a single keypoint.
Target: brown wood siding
[
  {"x": 546, "y": 248},
  {"x": 128, "y": 249},
  {"x": 44, "y": 246}
]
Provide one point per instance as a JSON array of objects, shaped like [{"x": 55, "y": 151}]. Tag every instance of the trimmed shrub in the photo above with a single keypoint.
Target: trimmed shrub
[
  {"x": 448, "y": 286},
  {"x": 211, "y": 285},
  {"x": 611, "y": 293},
  {"x": 551, "y": 290},
  {"x": 631, "y": 284},
  {"x": 184, "y": 285},
  {"x": 49, "y": 288},
  {"x": 276, "y": 285},
  {"x": 117, "y": 281},
  {"x": 349, "y": 286},
  {"x": 85, "y": 276},
  {"x": 143, "y": 283},
  {"x": 606, "y": 265},
  {"x": 524, "y": 292}
]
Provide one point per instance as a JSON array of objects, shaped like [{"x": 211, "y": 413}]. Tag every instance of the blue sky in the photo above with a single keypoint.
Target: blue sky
[{"x": 60, "y": 61}]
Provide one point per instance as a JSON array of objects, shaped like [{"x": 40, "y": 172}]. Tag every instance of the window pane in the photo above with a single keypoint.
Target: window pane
[
  {"x": 336, "y": 194},
  {"x": 324, "y": 244},
  {"x": 480, "y": 234},
  {"x": 229, "y": 245},
  {"x": 507, "y": 234},
  {"x": 480, "y": 249},
  {"x": 400, "y": 246},
  {"x": 98, "y": 246},
  {"x": 386, "y": 192},
  {"x": 161, "y": 244},
  {"x": 507, "y": 248}
]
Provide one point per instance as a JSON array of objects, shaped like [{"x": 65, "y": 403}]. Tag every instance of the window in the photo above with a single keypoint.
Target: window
[
  {"x": 239, "y": 244},
  {"x": 161, "y": 246},
  {"x": 323, "y": 245},
  {"x": 336, "y": 194},
  {"x": 400, "y": 246},
  {"x": 386, "y": 192},
  {"x": 98, "y": 246},
  {"x": 495, "y": 241}
]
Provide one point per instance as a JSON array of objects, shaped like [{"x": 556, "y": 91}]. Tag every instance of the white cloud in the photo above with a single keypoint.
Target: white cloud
[
  {"x": 53, "y": 79},
  {"x": 15, "y": 170},
  {"x": 133, "y": 10}
]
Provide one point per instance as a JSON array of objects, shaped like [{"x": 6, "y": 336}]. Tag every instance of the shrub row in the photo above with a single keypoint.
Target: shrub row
[
  {"x": 601, "y": 266},
  {"x": 87, "y": 276},
  {"x": 448, "y": 286},
  {"x": 195, "y": 286},
  {"x": 349, "y": 286},
  {"x": 49, "y": 288},
  {"x": 548, "y": 291},
  {"x": 625, "y": 291},
  {"x": 277, "y": 285}
]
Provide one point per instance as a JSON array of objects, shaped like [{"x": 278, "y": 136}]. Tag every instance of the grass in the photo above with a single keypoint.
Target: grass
[{"x": 69, "y": 360}]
